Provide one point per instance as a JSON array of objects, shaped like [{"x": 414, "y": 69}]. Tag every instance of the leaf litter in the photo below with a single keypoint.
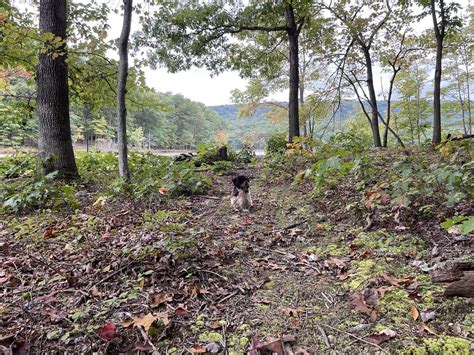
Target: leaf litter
[{"x": 193, "y": 274}]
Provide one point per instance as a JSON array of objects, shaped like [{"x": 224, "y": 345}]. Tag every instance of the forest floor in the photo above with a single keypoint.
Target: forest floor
[{"x": 295, "y": 275}]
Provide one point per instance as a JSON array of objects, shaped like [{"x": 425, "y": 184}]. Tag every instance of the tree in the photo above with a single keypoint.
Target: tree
[
  {"x": 122, "y": 90},
  {"x": 55, "y": 143},
  {"x": 458, "y": 70},
  {"x": 186, "y": 34},
  {"x": 361, "y": 24},
  {"x": 444, "y": 21}
]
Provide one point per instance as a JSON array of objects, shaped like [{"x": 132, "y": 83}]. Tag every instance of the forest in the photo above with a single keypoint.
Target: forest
[{"x": 139, "y": 221}]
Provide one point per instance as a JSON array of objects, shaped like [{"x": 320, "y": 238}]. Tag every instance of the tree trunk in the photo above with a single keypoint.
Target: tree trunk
[
  {"x": 437, "y": 78},
  {"x": 418, "y": 111},
  {"x": 437, "y": 94},
  {"x": 122, "y": 90},
  {"x": 301, "y": 91},
  {"x": 468, "y": 87},
  {"x": 372, "y": 97},
  {"x": 389, "y": 107},
  {"x": 293, "y": 117},
  {"x": 460, "y": 96},
  {"x": 55, "y": 142}
]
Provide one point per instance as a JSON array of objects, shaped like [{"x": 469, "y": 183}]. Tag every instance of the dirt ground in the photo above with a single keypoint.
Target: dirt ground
[{"x": 296, "y": 274}]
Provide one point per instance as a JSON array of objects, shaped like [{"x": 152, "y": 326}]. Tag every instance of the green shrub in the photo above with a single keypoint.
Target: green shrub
[
  {"x": 327, "y": 172},
  {"x": 349, "y": 141},
  {"x": 36, "y": 192},
  {"x": 183, "y": 179},
  {"x": 209, "y": 153},
  {"x": 246, "y": 154},
  {"x": 276, "y": 144}
]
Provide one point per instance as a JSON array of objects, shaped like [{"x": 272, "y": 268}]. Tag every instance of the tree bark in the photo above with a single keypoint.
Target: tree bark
[
  {"x": 389, "y": 106},
  {"x": 55, "y": 142},
  {"x": 439, "y": 33},
  {"x": 122, "y": 90},
  {"x": 301, "y": 91},
  {"x": 293, "y": 117},
  {"x": 374, "y": 123},
  {"x": 468, "y": 87}
]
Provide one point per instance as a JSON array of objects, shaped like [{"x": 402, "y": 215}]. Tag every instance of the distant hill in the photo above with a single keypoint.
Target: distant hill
[
  {"x": 260, "y": 128},
  {"x": 258, "y": 125},
  {"x": 255, "y": 128}
]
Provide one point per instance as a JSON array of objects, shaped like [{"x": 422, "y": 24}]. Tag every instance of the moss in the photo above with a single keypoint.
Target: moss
[
  {"x": 361, "y": 271},
  {"x": 396, "y": 305},
  {"x": 269, "y": 285},
  {"x": 243, "y": 341},
  {"x": 391, "y": 243},
  {"x": 430, "y": 295},
  {"x": 348, "y": 324},
  {"x": 443, "y": 345},
  {"x": 210, "y": 337},
  {"x": 467, "y": 324},
  {"x": 332, "y": 249}
]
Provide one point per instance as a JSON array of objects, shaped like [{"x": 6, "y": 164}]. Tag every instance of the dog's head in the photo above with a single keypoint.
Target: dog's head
[{"x": 242, "y": 182}]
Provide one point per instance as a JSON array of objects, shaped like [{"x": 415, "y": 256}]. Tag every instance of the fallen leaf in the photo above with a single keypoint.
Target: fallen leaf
[
  {"x": 107, "y": 332},
  {"x": 143, "y": 346},
  {"x": 197, "y": 349},
  {"x": 427, "y": 329},
  {"x": 182, "y": 312},
  {"x": 414, "y": 313},
  {"x": 214, "y": 325},
  {"x": 415, "y": 296},
  {"x": 390, "y": 279},
  {"x": 337, "y": 262},
  {"x": 290, "y": 312},
  {"x": 365, "y": 302},
  {"x": 381, "y": 336},
  {"x": 49, "y": 233},
  {"x": 159, "y": 298},
  {"x": 99, "y": 203},
  {"x": 273, "y": 345},
  {"x": 289, "y": 338},
  {"x": 106, "y": 235},
  {"x": 145, "y": 321}
]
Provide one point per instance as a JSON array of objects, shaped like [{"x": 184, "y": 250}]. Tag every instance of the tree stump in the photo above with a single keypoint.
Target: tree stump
[{"x": 222, "y": 153}]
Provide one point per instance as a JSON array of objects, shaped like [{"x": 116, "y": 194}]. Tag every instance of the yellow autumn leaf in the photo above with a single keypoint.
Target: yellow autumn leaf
[
  {"x": 414, "y": 313},
  {"x": 147, "y": 320},
  {"x": 99, "y": 203}
]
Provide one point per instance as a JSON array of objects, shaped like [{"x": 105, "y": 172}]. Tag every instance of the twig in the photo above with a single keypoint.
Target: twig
[
  {"x": 355, "y": 337},
  {"x": 293, "y": 225},
  {"x": 146, "y": 338},
  {"x": 210, "y": 197},
  {"x": 291, "y": 256},
  {"x": 325, "y": 337},
  {"x": 227, "y": 297},
  {"x": 111, "y": 275},
  {"x": 212, "y": 273},
  {"x": 224, "y": 338},
  {"x": 369, "y": 222}
]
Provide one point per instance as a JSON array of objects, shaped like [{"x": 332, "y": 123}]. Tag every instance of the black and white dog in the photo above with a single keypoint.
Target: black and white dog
[{"x": 241, "y": 192}]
